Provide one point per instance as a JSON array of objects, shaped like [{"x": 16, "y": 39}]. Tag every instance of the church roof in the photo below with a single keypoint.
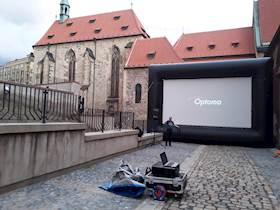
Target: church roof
[
  {"x": 101, "y": 26},
  {"x": 231, "y": 42},
  {"x": 151, "y": 51}
]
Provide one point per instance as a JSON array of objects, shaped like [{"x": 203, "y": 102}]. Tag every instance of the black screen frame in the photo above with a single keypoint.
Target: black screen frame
[{"x": 259, "y": 69}]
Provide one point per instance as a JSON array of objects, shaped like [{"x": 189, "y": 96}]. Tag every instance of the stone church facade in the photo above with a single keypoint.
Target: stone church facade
[
  {"x": 87, "y": 55},
  {"x": 95, "y": 66},
  {"x": 102, "y": 57}
]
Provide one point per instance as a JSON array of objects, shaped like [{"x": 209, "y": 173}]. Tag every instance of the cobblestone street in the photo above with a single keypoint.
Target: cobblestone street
[
  {"x": 220, "y": 177},
  {"x": 226, "y": 178},
  {"x": 79, "y": 190}
]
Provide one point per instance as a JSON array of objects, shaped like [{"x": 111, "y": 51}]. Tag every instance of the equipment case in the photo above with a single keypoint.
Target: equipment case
[
  {"x": 175, "y": 185},
  {"x": 159, "y": 170}
]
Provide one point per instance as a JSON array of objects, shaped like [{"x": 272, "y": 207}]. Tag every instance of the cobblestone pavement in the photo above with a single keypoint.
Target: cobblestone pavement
[
  {"x": 268, "y": 166},
  {"x": 79, "y": 189},
  {"x": 225, "y": 178}
]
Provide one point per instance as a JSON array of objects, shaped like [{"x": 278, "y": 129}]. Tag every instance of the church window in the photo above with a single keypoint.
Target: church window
[
  {"x": 115, "y": 72},
  {"x": 88, "y": 60},
  {"x": 71, "y": 58},
  {"x": 65, "y": 10},
  {"x": 41, "y": 73},
  {"x": 138, "y": 93}
]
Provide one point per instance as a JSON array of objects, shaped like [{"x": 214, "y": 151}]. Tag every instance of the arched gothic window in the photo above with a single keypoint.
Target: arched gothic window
[
  {"x": 46, "y": 69},
  {"x": 71, "y": 59},
  {"x": 138, "y": 93},
  {"x": 89, "y": 58},
  {"x": 41, "y": 71},
  {"x": 115, "y": 72}
]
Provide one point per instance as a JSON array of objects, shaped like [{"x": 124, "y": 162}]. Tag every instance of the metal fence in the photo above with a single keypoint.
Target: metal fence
[
  {"x": 100, "y": 120},
  {"x": 25, "y": 103},
  {"x": 142, "y": 124},
  {"x": 20, "y": 102}
]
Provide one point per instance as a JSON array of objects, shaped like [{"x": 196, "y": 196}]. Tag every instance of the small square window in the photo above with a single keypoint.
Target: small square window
[
  {"x": 73, "y": 33},
  {"x": 50, "y": 36},
  {"x": 92, "y": 21},
  {"x": 117, "y": 17},
  {"x": 151, "y": 55},
  {"x": 189, "y": 48},
  {"x": 211, "y": 46},
  {"x": 98, "y": 30},
  {"x": 124, "y": 28},
  {"x": 235, "y": 44}
]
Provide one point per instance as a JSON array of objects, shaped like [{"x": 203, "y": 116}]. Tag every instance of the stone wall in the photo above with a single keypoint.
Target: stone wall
[
  {"x": 100, "y": 76},
  {"x": 33, "y": 150},
  {"x": 131, "y": 78}
]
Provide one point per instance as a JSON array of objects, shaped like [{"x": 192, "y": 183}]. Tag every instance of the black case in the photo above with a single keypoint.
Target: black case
[{"x": 160, "y": 170}]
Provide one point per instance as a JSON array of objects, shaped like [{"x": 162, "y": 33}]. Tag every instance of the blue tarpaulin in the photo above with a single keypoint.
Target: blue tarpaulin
[
  {"x": 126, "y": 182},
  {"x": 133, "y": 189}
]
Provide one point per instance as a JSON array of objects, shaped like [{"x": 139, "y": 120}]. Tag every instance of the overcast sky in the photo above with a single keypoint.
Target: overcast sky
[{"x": 24, "y": 22}]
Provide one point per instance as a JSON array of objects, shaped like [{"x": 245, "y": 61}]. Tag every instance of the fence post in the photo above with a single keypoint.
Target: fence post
[
  {"x": 44, "y": 117},
  {"x": 103, "y": 121},
  {"x": 120, "y": 125},
  {"x": 133, "y": 120},
  {"x": 81, "y": 107}
]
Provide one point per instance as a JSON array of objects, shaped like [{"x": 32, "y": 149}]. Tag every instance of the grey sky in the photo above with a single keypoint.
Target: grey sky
[{"x": 24, "y": 22}]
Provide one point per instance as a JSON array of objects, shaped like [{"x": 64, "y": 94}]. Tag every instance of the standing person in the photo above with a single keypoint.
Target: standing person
[{"x": 169, "y": 124}]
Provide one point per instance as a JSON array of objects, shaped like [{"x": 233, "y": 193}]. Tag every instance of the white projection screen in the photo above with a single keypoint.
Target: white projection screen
[{"x": 217, "y": 102}]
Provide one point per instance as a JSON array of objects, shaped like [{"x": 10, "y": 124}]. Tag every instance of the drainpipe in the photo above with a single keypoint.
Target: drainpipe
[{"x": 94, "y": 66}]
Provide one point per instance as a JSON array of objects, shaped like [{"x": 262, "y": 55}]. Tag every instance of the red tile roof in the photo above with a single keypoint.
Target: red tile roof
[
  {"x": 100, "y": 26},
  {"x": 231, "y": 42},
  {"x": 151, "y": 51},
  {"x": 269, "y": 18}
]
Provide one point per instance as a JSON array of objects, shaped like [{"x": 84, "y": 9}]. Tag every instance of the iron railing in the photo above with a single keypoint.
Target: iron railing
[
  {"x": 25, "y": 103},
  {"x": 100, "y": 120},
  {"x": 142, "y": 124},
  {"x": 20, "y": 102}
]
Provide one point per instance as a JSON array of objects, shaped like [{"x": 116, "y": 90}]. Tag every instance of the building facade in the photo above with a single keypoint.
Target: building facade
[
  {"x": 89, "y": 54},
  {"x": 265, "y": 23},
  {"x": 105, "y": 57},
  {"x": 274, "y": 52},
  {"x": 136, "y": 73},
  {"x": 19, "y": 70}
]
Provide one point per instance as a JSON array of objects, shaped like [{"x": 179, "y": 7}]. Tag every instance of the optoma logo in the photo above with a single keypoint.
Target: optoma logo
[{"x": 203, "y": 102}]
